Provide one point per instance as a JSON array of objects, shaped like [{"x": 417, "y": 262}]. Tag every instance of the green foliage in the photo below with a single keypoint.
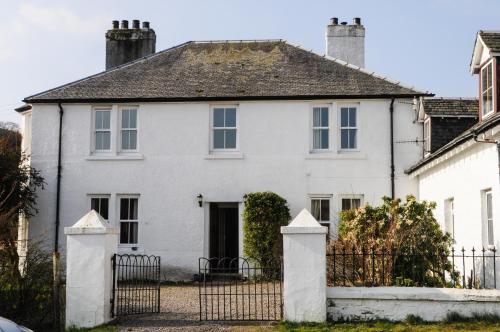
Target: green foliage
[
  {"x": 406, "y": 231},
  {"x": 264, "y": 214}
]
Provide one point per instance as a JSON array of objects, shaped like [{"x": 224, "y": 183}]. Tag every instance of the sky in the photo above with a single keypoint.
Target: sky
[{"x": 422, "y": 43}]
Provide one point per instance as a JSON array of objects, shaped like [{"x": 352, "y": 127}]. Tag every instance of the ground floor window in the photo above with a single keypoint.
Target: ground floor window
[
  {"x": 100, "y": 204},
  {"x": 320, "y": 209},
  {"x": 129, "y": 220},
  {"x": 351, "y": 203},
  {"x": 488, "y": 216}
]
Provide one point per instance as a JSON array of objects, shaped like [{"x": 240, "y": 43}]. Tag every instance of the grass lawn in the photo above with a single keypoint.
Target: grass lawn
[{"x": 389, "y": 326}]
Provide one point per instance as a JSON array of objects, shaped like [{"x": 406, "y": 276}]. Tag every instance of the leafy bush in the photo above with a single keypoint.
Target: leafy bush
[
  {"x": 27, "y": 298},
  {"x": 264, "y": 214},
  {"x": 401, "y": 243}
]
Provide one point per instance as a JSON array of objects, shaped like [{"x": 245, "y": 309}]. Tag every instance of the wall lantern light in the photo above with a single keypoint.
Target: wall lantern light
[{"x": 200, "y": 199}]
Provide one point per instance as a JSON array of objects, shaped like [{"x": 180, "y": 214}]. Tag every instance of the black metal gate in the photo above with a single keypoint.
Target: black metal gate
[
  {"x": 136, "y": 285},
  {"x": 238, "y": 290}
]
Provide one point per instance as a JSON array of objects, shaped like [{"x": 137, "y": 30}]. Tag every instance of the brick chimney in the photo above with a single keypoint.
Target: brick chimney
[
  {"x": 124, "y": 45},
  {"x": 346, "y": 41}
]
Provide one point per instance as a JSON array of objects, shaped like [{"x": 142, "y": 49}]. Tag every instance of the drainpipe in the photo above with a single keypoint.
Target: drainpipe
[
  {"x": 56, "y": 256},
  {"x": 391, "y": 111}
]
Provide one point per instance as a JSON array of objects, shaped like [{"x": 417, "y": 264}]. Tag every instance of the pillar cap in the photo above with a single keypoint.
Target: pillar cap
[
  {"x": 304, "y": 223},
  {"x": 91, "y": 223}
]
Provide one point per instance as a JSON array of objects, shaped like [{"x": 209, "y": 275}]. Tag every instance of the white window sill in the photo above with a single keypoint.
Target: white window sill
[
  {"x": 340, "y": 155},
  {"x": 128, "y": 248},
  {"x": 225, "y": 155},
  {"x": 123, "y": 156},
  {"x": 490, "y": 113}
]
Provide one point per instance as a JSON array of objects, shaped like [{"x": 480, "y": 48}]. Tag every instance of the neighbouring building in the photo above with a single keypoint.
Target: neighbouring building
[
  {"x": 165, "y": 145},
  {"x": 461, "y": 170}
]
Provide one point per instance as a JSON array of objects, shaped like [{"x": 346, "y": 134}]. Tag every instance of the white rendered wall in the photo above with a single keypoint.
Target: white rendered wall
[
  {"x": 463, "y": 177},
  {"x": 274, "y": 139},
  {"x": 396, "y": 303}
]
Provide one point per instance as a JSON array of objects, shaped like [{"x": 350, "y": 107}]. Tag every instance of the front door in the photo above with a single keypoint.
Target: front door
[{"x": 224, "y": 230}]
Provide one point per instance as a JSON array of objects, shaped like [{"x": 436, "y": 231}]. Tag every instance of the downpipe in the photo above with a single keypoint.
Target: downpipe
[
  {"x": 56, "y": 256},
  {"x": 391, "y": 111}
]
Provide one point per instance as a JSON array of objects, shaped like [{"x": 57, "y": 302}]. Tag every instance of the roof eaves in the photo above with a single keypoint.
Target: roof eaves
[{"x": 467, "y": 135}]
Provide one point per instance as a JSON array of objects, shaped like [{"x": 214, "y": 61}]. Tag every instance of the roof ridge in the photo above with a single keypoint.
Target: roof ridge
[
  {"x": 363, "y": 70},
  {"x": 109, "y": 70},
  {"x": 218, "y": 41}
]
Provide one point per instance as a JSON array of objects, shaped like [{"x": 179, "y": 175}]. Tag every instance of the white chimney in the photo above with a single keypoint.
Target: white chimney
[{"x": 346, "y": 41}]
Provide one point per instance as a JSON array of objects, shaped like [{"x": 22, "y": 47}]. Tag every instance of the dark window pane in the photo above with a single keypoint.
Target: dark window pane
[
  {"x": 324, "y": 117},
  {"x": 106, "y": 142},
  {"x": 489, "y": 206},
  {"x": 124, "y": 203},
  {"x": 352, "y": 139},
  {"x": 134, "y": 229},
  {"x": 352, "y": 117},
  {"x": 94, "y": 204},
  {"x": 105, "y": 119},
  {"x": 344, "y": 138},
  {"x": 104, "y": 208},
  {"x": 219, "y": 139},
  {"x": 132, "y": 140},
  {"x": 230, "y": 139},
  {"x": 316, "y": 117},
  {"x": 218, "y": 117},
  {"x": 230, "y": 117},
  {"x": 133, "y": 119},
  {"x": 316, "y": 209},
  {"x": 133, "y": 208},
  {"x": 356, "y": 203},
  {"x": 317, "y": 139},
  {"x": 344, "y": 117},
  {"x": 125, "y": 119},
  {"x": 125, "y": 140},
  {"x": 124, "y": 232},
  {"x": 98, "y": 120},
  {"x": 324, "y": 138},
  {"x": 325, "y": 210},
  {"x": 346, "y": 204}
]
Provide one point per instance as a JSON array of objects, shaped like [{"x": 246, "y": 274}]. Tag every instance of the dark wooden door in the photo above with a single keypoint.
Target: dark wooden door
[{"x": 224, "y": 237}]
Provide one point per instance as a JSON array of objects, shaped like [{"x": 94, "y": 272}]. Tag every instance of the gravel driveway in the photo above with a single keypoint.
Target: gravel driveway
[{"x": 180, "y": 312}]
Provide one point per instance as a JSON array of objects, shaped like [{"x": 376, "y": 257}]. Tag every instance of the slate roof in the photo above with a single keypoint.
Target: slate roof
[
  {"x": 232, "y": 70},
  {"x": 480, "y": 127},
  {"x": 491, "y": 39},
  {"x": 451, "y": 106}
]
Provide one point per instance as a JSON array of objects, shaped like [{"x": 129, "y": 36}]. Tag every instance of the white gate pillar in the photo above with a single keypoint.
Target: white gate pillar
[
  {"x": 304, "y": 264},
  {"x": 90, "y": 246}
]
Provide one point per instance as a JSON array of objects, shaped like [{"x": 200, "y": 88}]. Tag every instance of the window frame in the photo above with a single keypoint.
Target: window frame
[
  {"x": 213, "y": 128},
  {"x": 101, "y": 196},
  {"x": 96, "y": 109},
  {"x": 328, "y": 127},
  {"x": 488, "y": 221},
  {"x": 119, "y": 219},
  {"x": 449, "y": 216},
  {"x": 357, "y": 128},
  {"x": 351, "y": 197},
  {"x": 427, "y": 138},
  {"x": 491, "y": 88},
  {"x": 120, "y": 128},
  {"x": 320, "y": 197}
]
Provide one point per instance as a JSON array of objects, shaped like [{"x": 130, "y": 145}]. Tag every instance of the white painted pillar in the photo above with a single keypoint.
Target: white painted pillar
[
  {"x": 90, "y": 246},
  {"x": 304, "y": 263}
]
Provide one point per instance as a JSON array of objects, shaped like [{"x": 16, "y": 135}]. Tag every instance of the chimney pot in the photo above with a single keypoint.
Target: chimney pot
[
  {"x": 344, "y": 23},
  {"x": 334, "y": 21},
  {"x": 124, "y": 24},
  {"x": 357, "y": 21},
  {"x": 115, "y": 24},
  {"x": 135, "y": 24},
  {"x": 145, "y": 25}
]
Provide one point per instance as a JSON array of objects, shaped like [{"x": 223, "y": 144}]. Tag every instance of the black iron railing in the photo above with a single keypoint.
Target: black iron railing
[
  {"x": 136, "y": 285},
  {"x": 351, "y": 267},
  {"x": 234, "y": 289}
]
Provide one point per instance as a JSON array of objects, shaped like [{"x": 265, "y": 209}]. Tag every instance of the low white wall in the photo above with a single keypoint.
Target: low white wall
[{"x": 396, "y": 303}]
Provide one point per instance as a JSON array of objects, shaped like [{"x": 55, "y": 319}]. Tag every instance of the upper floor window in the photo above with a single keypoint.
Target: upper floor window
[
  {"x": 100, "y": 204},
  {"x": 224, "y": 128},
  {"x": 348, "y": 128},
  {"x": 129, "y": 129},
  {"x": 320, "y": 128},
  {"x": 487, "y": 89},
  {"x": 427, "y": 136},
  {"x": 102, "y": 129}
]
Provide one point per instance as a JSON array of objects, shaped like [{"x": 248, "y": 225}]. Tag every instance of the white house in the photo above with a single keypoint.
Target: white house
[
  {"x": 462, "y": 173},
  {"x": 166, "y": 146}
]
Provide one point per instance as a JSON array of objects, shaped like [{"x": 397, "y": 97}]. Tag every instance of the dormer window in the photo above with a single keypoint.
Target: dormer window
[{"x": 487, "y": 89}]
